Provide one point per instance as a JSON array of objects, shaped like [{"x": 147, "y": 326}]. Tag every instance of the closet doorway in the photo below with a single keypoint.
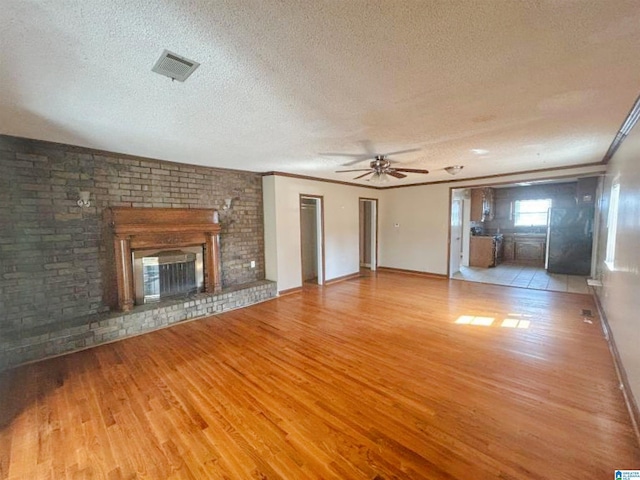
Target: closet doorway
[
  {"x": 312, "y": 239},
  {"x": 368, "y": 233}
]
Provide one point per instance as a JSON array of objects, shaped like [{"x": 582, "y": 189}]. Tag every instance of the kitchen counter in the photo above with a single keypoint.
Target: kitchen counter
[{"x": 533, "y": 235}]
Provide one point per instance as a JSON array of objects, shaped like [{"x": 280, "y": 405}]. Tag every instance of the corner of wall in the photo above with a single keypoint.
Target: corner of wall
[{"x": 270, "y": 227}]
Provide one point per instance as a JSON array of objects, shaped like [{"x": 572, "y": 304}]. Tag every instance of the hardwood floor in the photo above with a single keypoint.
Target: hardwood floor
[{"x": 389, "y": 376}]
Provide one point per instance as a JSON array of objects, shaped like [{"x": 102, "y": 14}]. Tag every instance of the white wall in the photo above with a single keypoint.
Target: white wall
[
  {"x": 341, "y": 227},
  {"x": 420, "y": 242},
  {"x": 620, "y": 295},
  {"x": 414, "y": 228},
  {"x": 270, "y": 230}
]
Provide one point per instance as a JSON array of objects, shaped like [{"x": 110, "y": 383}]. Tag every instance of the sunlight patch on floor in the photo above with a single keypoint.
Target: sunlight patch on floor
[{"x": 488, "y": 321}]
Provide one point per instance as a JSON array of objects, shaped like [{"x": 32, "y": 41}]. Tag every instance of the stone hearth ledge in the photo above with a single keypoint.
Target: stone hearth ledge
[{"x": 80, "y": 333}]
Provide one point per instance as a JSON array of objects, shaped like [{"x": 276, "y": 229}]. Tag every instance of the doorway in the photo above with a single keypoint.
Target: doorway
[
  {"x": 368, "y": 233},
  {"x": 456, "y": 233},
  {"x": 312, "y": 239}
]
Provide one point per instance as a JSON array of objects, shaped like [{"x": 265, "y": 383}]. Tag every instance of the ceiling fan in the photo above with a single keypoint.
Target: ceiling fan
[{"x": 381, "y": 167}]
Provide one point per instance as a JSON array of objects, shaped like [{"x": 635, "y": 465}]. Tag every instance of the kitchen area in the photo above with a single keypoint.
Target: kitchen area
[{"x": 543, "y": 229}]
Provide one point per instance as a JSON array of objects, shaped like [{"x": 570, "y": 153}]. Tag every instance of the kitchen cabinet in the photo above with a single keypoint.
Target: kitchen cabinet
[
  {"x": 488, "y": 204},
  {"x": 482, "y": 204},
  {"x": 485, "y": 250},
  {"x": 508, "y": 248},
  {"x": 526, "y": 249},
  {"x": 529, "y": 249},
  {"x": 476, "y": 204}
]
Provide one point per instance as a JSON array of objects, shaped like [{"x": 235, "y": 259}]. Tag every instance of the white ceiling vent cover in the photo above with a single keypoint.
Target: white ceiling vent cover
[{"x": 174, "y": 66}]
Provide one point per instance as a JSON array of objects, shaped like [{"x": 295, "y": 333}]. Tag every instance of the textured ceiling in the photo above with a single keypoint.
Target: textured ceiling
[{"x": 497, "y": 86}]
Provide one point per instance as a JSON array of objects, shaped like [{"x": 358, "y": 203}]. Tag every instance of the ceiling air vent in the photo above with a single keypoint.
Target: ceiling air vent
[{"x": 174, "y": 66}]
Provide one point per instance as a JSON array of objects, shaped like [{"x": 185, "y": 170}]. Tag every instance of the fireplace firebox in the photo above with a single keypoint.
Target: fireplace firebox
[
  {"x": 167, "y": 273},
  {"x": 177, "y": 250}
]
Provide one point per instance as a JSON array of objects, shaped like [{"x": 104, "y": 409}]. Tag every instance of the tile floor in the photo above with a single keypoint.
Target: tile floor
[{"x": 524, "y": 276}]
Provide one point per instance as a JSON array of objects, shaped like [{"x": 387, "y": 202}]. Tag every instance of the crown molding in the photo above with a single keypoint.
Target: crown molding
[
  {"x": 316, "y": 179},
  {"x": 438, "y": 182},
  {"x": 629, "y": 122}
]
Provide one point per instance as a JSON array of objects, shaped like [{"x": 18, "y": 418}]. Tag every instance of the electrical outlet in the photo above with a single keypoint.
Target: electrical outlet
[{"x": 253, "y": 264}]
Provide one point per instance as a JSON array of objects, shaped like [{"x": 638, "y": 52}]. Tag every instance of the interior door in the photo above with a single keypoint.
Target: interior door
[{"x": 455, "y": 251}]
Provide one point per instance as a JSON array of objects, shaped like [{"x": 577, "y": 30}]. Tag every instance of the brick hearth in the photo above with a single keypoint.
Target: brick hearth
[{"x": 42, "y": 342}]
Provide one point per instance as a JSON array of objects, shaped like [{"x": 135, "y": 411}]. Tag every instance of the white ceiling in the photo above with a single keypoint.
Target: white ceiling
[{"x": 528, "y": 84}]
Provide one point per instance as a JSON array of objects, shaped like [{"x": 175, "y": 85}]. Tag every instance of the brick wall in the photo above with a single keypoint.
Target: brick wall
[{"x": 52, "y": 252}]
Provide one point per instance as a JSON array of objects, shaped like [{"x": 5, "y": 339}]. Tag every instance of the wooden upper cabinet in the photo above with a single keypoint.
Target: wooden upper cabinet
[
  {"x": 482, "y": 204},
  {"x": 488, "y": 204},
  {"x": 476, "y": 204}
]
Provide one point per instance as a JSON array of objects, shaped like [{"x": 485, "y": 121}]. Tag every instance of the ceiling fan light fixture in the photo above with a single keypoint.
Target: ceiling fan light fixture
[
  {"x": 454, "y": 169},
  {"x": 379, "y": 177}
]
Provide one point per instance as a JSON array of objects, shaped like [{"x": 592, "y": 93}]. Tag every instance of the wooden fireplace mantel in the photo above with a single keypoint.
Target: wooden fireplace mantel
[{"x": 146, "y": 228}]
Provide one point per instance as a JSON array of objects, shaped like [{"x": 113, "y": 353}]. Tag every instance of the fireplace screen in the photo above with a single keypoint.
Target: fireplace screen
[{"x": 166, "y": 273}]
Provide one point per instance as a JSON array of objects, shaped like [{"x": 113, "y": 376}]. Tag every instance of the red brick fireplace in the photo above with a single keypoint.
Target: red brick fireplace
[{"x": 143, "y": 229}]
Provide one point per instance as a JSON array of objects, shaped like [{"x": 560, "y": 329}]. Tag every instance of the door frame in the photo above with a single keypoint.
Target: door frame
[
  {"x": 320, "y": 236},
  {"x": 374, "y": 231}
]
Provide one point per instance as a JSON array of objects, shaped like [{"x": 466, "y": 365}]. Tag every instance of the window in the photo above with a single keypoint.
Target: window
[
  {"x": 531, "y": 213},
  {"x": 612, "y": 225}
]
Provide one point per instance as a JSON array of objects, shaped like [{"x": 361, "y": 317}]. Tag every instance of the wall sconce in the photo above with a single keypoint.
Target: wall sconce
[
  {"x": 454, "y": 169},
  {"x": 83, "y": 201},
  {"x": 227, "y": 204}
]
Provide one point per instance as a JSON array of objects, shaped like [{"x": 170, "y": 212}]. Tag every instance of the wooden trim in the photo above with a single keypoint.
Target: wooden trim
[
  {"x": 629, "y": 122},
  {"x": 289, "y": 291},
  {"x": 499, "y": 175},
  {"x": 452, "y": 180},
  {"x": 343, "y": 278},
  {"x": 566, "y": 178},
  {"x": 124, "y": 272},
  {"x": 413, "y": 272},
  {"x": 316, "y": 179},
  {"x": 449, "y": 234},
  {"x": 629, "y": 399},
  {"x": 134, "y": 228}
]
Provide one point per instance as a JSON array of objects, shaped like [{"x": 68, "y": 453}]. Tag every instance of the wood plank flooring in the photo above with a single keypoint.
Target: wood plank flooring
[{"x": 388, "y": 376}]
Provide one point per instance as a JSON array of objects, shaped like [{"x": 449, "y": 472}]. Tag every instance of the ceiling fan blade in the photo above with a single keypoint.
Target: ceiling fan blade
[
  {"x": 364, "y": 175},
  {"x": 411, "y": 170},
  {"x": 356, "y": 170},
  {"x": 398, "y": 152},
  {"x": 362, "y": 156},
  {"x": 368, "y": 147},
  {"x": 393, "y": 173}
]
